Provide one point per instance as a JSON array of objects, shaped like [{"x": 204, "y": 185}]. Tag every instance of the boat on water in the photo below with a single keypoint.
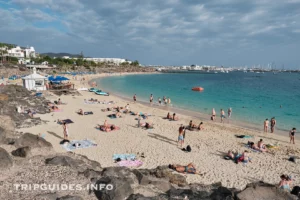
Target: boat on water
[{"x": 199, "y": 89}]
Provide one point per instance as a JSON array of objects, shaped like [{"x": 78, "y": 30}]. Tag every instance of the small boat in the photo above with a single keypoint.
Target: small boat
[
  {"x": 93, "y": 89},
  {"x": 197, "y": 89},
  {"x": 100, "y": 92}
]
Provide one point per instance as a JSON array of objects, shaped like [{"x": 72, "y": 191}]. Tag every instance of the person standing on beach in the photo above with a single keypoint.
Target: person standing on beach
[
  {"x": 213, "y": 114},
  {"x": 266, "y": 125},
  {"x": 159, "y": 100},
  {"x": 165, "y": 100},
  {"x": 222, "y": 115},
  {"x": 229, "y": 112},
  {"x": 151, "y": 99},
  {"x": 180, "y": 138},
  {"x": 65, "y": 129},
  {"x": 134, "y": 98},
  {"x": 292, "y": 135},
  {"x": 273, "y": 123},
  {"x": 169, "y": 101}
]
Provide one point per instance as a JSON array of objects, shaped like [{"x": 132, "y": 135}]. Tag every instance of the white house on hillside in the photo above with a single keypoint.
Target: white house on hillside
[{"x": 34, "y": 81}]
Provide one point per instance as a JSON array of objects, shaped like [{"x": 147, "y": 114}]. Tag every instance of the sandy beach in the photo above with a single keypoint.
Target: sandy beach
[{"x": 159, "y": 145}]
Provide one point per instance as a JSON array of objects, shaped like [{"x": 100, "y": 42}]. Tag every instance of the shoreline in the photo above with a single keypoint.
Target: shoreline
[
  {"x": 195, "y": 115},
  {"x": 160, "y": 144}
]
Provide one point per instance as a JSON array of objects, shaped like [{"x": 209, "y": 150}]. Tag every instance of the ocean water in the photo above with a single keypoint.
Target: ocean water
[{"x": 253, "y": 97}]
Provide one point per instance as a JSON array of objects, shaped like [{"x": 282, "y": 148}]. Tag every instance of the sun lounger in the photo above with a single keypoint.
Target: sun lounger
[
  {"x": 124, "y": 156},
  {"x": 130, "y": 163},
  {"x": 67, "y": 121},
  {"x": 81, "y": 144}
]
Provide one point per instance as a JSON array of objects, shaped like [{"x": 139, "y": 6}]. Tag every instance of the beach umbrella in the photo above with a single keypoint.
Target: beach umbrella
[{"x": 57, "y": 78}]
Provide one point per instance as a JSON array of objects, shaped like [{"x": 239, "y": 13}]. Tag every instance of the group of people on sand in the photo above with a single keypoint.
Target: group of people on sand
[
  {"x": 222, "y": 114},
  {"x": 237, "y": 158},
  {"x": 174, "y": 117},
  {"x": 193, "y": 126},
  {"x": 259, "y": 147},
  {"x": 272, "y": 123},
  {"x": 182, "y": 131},
  {"x": 165, "y": 100}
]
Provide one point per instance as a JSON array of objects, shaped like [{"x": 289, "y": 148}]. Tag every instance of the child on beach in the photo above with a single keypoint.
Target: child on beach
[
  {"x": 292, "y": 135},
  {"x": 266, "y": 125}
]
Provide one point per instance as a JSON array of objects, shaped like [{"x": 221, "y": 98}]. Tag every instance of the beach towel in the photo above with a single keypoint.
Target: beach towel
[
  {"x": 254, "y": 150},
  {"x": 83, "y": 144},
  {"x": 130, "y": 163},
  {"x": 88, "y": 113},
  {"x": 272, "y": 146},
  {"x": 124, "y": 156},
  {"x": 67, "y": 121},
  {"x": 112, "y": 116},
  {"x": 243, "y": 136}
]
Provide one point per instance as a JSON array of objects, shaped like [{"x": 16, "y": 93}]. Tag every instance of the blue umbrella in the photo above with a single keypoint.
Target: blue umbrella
[{"x": 57, "y": 78}]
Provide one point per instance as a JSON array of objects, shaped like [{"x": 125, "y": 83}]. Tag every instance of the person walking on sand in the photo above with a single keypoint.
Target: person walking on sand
[
  {"x": 292, "y": 135},
  {"x": 213, "y": 114},
  {"x": 266, "y": 125},
  {"x": 151, "y": 99},
  {"x": 65, "y": 129},
  {"x": 134, "y": 98},
  {"x": 222, "y": 115},
  {"x": 273, "y": 123}
]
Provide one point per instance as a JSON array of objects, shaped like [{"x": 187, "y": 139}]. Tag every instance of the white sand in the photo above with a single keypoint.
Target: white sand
[{"x": 160, "y": 144}]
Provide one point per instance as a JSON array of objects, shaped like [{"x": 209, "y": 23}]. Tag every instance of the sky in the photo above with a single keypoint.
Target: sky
[{"x": 159, "y": 32}]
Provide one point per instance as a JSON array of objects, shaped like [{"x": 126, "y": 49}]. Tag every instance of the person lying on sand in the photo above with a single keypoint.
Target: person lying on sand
[
  {"x": 80, "y": 112},
  {"x": 190, "y": 168},
  {"x": 253, "y": 146},
  {"x": 200, "y": 127},
  {"x": 285, "y": 182},
  {"x": 105, "y": 110},
  {"x": 30, "y": 113},
  {"x": 134, "y": 113},
  {"x": 244, "y": 158},
  {"x": 53, "y": 108},
  {"x": 147, "y": 125}
]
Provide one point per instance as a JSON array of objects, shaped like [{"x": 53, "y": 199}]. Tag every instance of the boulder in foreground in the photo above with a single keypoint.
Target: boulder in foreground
[
  {"x": 32, "y": 141},
  {"x": 5, "y": 159}
]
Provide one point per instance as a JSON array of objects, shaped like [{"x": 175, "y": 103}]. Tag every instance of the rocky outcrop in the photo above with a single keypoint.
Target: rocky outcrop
[
  {"x": 79, "y": 165},
  {"x": 5, "y": 160},
  {"x": 264, "y": 191},
  {"x": 33, "y": 141},
  {"x": 20, "y": 96},
  {"x": 22, "y": 152}
]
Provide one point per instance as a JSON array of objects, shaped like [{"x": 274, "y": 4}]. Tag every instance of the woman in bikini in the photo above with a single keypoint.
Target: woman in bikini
[
  {"x": 285, "y": 183},
  {"x": 292, "y": 135},
  {"x": 190, "y": 168},
  {"x": 213, "y": 114}
]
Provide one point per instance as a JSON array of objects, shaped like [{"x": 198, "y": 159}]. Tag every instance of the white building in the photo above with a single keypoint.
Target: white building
[
  {"x": 34, "y": 81},
  {"x": 107, "y": 60},
  {"x": 19, "y": 53}
]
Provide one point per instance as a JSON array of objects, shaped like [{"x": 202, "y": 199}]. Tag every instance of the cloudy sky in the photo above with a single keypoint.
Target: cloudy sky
[{"x": 167, "y": 32}]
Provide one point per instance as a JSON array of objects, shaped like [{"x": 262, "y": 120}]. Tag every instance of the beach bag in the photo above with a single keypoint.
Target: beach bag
[
  {"x": 188, "y": 148},
  {"x": 296, "y": 191}
]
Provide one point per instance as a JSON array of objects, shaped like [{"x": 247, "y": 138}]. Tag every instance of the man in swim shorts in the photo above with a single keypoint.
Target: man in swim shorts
[
  {"x": 180, "y": 138},
  {"x": 222, "y": 115}
]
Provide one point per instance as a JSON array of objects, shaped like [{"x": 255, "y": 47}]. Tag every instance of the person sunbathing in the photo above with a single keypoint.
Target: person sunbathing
[
  {"x": 175, "y": 118},
  {"x": 134, "y": 113},
  {"x": 244, "y": 158},
  {"x": 147, "y": 125},
  {"x": 230, "y": 154},
  {"x": 107, "y": 109},
  {"x": 168, "y": 116},
  {"x": 30, "y": 113},
  {"x": 190, "y": 168},
  {"x": 200, "y": 127},
  {"x": 80, "y": 112},
  {"x": 59, "y": 102},
  {"x": 118, "y": 114},
  {"x": 54, "y": 108},
  {"x": 191, "y": 125},
  {"x": 262, "y": 146},
  {"x": 253, "y": 146}
]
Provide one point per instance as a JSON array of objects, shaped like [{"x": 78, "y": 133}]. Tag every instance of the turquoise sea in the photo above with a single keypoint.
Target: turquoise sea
[{"x": 253, "y": 97}]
